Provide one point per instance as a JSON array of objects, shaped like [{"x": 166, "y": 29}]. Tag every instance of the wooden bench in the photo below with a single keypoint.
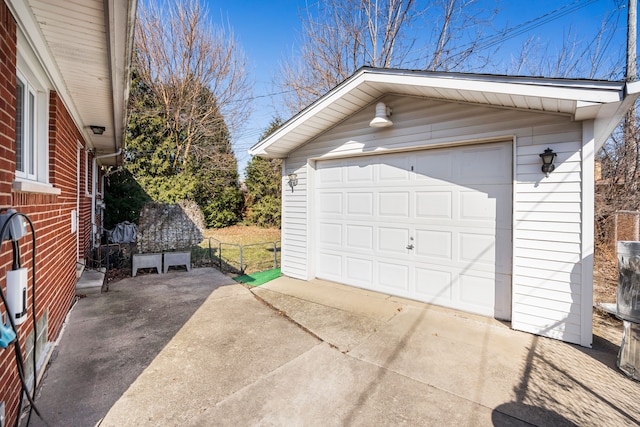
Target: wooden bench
[
  {"x": 174, "y": 259},
  {"x": 146, "y": 261}
]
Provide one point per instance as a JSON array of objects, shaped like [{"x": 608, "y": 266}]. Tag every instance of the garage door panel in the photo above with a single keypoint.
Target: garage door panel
[
  {"x": 433, "y": 167},
  {"x": 330, "y": 266},
  {"x": 330, "y": 234},
  {"x": 393, "y": 276},
  {"x": 393, "y": 240},
  {"x": 359, "y": 271},
  {"x": 477, "y": 248},
  {"x": 359, "y": 236},
  {"x": 433, "y": 285},
  {"x": 330, "y": 203},
  {"x": 477, "y": 206},
  {"x": 434, "y": 244},
  {"x": 394, "y": 170},
  {"x": 394, "y": 204},
  {"x": 360, "y": 172},
  {"x": 433, "y": 205},
  {"x": 433, "y": 225},
  {"x": 484, "y": 165},
  {"x": 359, "y": 204},
  {"x": 329, "y": 173},
  {"x": 477, "y": 292}
]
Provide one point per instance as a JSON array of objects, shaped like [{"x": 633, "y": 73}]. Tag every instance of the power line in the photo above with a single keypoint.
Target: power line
[{"x": 519, "y": 29}]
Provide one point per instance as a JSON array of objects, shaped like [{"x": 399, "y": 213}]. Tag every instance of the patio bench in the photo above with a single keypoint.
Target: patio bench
[
  {"x": 174, "y": 259},
  {"x": 146, "y": 261}
]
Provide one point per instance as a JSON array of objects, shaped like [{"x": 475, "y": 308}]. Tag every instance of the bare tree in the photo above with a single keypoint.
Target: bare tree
[
  {"x": 194, "y": 69},
  {"x": 457, "y": 37},
  {"x": 340, "y": 36}
]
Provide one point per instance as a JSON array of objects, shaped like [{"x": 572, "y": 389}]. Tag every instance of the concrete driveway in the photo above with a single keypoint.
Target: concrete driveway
[{"x": 196, "y": 349}]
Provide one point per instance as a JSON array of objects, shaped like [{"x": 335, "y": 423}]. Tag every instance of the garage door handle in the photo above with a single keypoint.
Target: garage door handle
[{"x": 410, "y": 247}]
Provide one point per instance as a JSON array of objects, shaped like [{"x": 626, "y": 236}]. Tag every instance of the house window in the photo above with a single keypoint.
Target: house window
[
  {"x": 26, "y": 130},
  {"x": 32, "y": 121}
]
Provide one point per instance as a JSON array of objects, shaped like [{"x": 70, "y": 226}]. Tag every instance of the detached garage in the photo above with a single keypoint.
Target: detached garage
[{"x": 429, "y": 186}]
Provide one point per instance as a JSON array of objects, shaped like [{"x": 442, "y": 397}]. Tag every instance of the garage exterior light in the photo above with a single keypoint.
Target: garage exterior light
[
  {"x": 547, "y": 161},
  {"x": 293, "y": 180},
  {"x": 381, "y": 120}
]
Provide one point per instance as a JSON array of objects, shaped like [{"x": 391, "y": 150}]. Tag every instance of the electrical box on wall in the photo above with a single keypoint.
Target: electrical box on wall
[
  {"x": 17, "y": 295},
  {"x": 74, "y": 221},
  {"x": 16, "y": 229}
]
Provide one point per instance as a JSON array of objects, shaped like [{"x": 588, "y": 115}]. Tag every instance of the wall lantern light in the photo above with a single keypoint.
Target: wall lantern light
[
  {"x": 97, "y": 130},
  {"x": 381, "y": 120},
  {"x": 293, "y": 180},
  {"x": 547, "y": 161}
]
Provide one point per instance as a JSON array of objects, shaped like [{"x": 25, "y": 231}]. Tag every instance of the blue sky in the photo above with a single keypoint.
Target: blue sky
[{"x": 268, "y": 30}]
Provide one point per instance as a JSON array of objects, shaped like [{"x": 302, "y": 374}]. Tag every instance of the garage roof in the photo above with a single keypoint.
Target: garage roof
[
  {"x": 606, "y": 102},
  {"x": 86, "y": 49}
]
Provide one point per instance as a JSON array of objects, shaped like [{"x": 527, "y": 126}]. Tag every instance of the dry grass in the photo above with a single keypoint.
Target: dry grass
[
  {"x": 244, "y": 234},
  {"x": 257, "y": 243},
  {"x": 605, "y": 284},
  {"x": 605, "y": 274}
]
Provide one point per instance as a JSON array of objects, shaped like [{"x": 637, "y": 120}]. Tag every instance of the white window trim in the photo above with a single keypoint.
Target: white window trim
[{"x": 31, "y": 74}]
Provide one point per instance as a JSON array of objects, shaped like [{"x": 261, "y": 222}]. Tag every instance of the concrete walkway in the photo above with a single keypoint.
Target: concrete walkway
[{"x": 318, "y": 353}]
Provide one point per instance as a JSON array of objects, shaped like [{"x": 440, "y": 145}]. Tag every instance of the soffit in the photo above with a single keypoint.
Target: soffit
[{"x": 85, "y": 46}]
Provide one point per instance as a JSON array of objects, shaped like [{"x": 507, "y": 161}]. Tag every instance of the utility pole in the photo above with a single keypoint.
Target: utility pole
[
  {"x": 632, "y": 20},
  {"x": 631, "y": 146}
]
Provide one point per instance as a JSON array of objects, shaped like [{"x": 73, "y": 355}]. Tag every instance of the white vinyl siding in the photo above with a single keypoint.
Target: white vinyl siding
[
  {"x": 547, "y": 281},
  {"x": 294, "y": 213},
  {"x": 547, "y": 284}
]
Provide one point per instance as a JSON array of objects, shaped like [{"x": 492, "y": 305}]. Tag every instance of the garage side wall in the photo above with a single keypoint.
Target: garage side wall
[{"x": 547, "y": 285}]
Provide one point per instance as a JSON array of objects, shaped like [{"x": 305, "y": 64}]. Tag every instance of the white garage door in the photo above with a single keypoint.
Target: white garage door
[{"x": 432, "y": 225}]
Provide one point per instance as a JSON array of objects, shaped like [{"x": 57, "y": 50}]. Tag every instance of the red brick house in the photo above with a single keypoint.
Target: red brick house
[{"x": 64, "y": 82}]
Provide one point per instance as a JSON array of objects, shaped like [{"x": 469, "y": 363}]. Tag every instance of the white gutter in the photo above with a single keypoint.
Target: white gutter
[{"x": 94, "y": 185}]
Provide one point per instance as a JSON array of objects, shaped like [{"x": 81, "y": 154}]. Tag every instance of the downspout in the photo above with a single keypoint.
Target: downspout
[
  {"x": 94, "y": 185},
  {"x": 78, "y": 181}
]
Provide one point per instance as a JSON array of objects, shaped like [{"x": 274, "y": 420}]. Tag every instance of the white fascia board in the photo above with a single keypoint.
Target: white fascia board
[
  {"x": 262, "y": 147},
  {"x": 610, "y": 116},
  {"x": 570, "y": 90}
]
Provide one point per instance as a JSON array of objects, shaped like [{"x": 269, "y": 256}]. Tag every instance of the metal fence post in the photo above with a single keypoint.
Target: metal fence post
[
  {"x": 275, "y": 255},
  {"x": 220, "y": 255},
  {"x": 241, "y": 267}
]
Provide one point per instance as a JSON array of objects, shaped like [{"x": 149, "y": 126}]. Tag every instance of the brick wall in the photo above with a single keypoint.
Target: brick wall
[
  {"x": 51, "y": 214},
  {"x": 8, "y": 374}
]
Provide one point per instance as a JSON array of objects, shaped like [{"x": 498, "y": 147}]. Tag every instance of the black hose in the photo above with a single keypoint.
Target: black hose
[{"x": 18, "y": 351}]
